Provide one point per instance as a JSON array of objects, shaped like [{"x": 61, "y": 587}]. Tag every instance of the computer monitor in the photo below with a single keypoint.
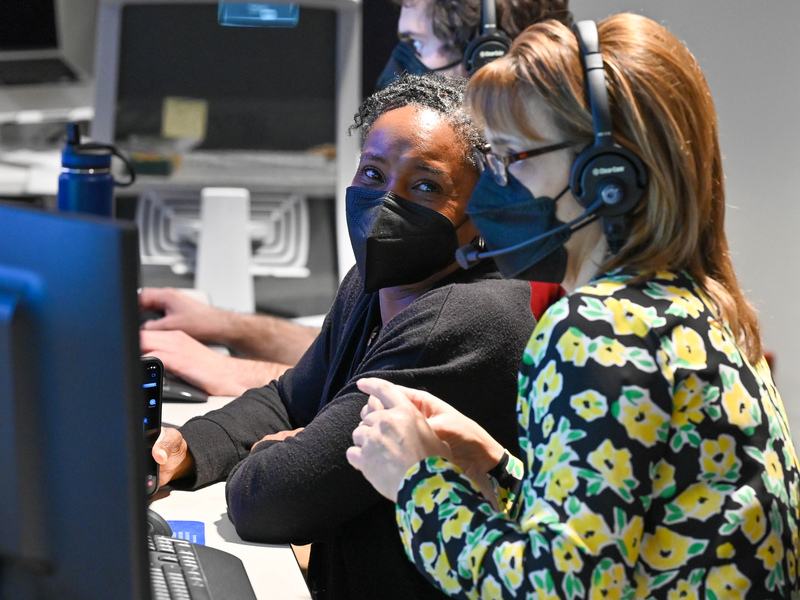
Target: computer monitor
[
  {"x": 264, "y": 88},
  {"x": 72, "y": 501},
  {"x": 46, "y": 56},
  {"x": 112, "y": 50}
]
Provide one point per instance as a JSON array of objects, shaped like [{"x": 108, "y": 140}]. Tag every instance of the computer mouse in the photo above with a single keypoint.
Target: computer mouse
[
  {"x": 157, "y": 525},
  {"x": 150, "y": 315},
  {"x": 176, "y": 389}
]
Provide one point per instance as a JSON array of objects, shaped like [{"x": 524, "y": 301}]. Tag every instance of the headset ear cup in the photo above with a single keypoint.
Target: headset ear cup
[
  {"x": 609, "y": 172},
  {"x": 577, "y": 179},
  {"x": 484, "y": 49}
]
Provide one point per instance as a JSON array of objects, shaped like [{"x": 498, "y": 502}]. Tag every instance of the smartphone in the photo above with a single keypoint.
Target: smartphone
[{"x": 152, "y": 386}]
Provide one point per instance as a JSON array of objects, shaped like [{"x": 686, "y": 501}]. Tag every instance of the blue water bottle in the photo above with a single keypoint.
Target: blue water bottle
[{"x": 86, "y": 184}]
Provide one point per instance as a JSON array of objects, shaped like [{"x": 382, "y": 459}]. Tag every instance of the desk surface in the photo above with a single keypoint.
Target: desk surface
[{"x": 273, "y": 569}]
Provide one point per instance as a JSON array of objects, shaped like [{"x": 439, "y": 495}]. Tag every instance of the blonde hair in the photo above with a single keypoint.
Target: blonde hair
[{"x": 661, "y": 109}]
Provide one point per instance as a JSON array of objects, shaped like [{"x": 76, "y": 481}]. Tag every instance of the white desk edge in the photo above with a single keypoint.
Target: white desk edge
[{"x": 273, "y": 569}]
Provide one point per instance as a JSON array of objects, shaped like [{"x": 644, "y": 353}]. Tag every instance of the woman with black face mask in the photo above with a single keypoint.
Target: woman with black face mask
[
  {"x": 406, "y": 313},
  {"x": 434, "y": 35},
  {"x": 656, "y": 457}
]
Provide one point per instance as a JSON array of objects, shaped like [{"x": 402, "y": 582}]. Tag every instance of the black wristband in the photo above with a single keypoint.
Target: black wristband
[{"x": 499, "y": 470}]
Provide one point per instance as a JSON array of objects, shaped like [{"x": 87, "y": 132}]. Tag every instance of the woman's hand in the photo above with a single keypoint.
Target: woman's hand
[
  {"x": 471, "y": 446},
  {"x": 392, "y": 437}
]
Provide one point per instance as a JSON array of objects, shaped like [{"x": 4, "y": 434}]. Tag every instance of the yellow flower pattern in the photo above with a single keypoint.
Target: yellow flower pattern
[
  {"x": 614, "y": 468},
  {"x": 561, "y": 484},
  {"x": 566, "y": 555},
  {"x": 700, "y": 501},
  {"x": 688, "y": 403},
  {"x": 727, "y": 582},
  {"x": 684, "y": 302},
  {"x": 741, "y": 408},
  {"x": 722, "y": 340},
  {"x": 726, "y": 551},
  {"x": 665, "y": 549},
  {"x": 663, "y": 478},
  {"x": 643, "y": 420},
  {"x": 589, "y": 405},
  {"x": 718, "y": 460},
  {"x": 588, "y": 531},
  {"x": 684, "y": 591},
  {"x": 658, "y": 463},
  {"x": 573, "y": 347},
  {"x": 689, "y": 348},
  {"x": 608, "y": 583}
]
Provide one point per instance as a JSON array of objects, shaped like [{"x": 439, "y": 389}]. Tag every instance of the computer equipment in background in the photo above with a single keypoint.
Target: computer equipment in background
[
  {"x": 46, "y": 56},
  {"x": 263, "y": 115},
  {"x": 178, "y": 390}
]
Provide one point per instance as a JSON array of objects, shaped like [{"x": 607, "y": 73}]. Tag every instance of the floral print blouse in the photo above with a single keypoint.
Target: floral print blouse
[{"x": 658, "y": 463}]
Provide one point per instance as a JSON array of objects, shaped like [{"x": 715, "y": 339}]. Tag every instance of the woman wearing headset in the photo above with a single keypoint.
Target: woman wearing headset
[{"x": 656, "y": 456}]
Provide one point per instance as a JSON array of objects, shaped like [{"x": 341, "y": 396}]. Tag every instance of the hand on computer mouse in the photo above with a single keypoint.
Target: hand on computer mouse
[
  {"x": 149, "y": 315},
  {"x": 172, "y": 454},
  {"x": 181, "y": 312}
]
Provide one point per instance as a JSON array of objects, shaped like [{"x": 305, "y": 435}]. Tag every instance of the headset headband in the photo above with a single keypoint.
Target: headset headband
[
  {"x": 491, "y": 43},
  {"x": 489, "y": 16},
  {"x": 592, "y": 59},
  {"x": 604, "y": 170}
]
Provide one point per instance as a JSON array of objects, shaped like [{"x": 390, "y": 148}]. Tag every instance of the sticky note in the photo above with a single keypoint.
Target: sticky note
[{"x": 184, "y": 118}]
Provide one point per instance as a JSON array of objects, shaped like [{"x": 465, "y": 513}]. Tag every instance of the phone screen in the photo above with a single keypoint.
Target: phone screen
[{"x": 153, "y": 378}]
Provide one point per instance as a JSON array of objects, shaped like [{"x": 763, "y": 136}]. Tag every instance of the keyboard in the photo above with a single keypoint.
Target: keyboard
[
  {"x": 42, "y": 70},
  {"x": 181, "y": 570}
]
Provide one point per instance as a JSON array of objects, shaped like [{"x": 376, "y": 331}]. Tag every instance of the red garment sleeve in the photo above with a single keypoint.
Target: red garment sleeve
[{"x": 543, "y": 295}]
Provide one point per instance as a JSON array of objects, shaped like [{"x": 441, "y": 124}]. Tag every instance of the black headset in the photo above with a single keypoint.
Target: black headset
[
  {"x": 490, "y": 44},
  {"x": 607, "y": 180},
  {"x": 604, "y": 171}
]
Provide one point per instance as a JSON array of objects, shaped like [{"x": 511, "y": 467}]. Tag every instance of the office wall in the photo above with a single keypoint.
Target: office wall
[{"x": 749, "y": 54}]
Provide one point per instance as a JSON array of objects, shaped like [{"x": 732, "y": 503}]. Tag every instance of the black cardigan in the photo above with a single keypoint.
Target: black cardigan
[{"x": 461, "y": 341}]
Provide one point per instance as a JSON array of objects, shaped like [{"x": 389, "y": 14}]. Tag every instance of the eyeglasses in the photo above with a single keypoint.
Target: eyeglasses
[{"x": 498, "y": 165}]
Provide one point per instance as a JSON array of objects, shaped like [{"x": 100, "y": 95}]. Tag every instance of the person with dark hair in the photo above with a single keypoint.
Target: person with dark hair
[
  {"x": 434, "y": 34},
  {"x": 406, "y": 313},
  {"x": 657, "y": 460}
]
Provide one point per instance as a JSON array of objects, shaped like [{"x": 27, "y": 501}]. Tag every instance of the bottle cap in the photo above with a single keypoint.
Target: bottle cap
[{"x": 83, "y": 156}]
